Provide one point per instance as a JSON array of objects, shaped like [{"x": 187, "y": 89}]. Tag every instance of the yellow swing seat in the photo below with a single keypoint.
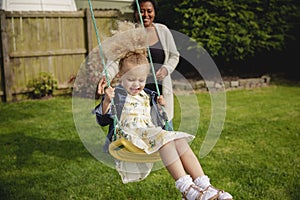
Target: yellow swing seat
[{"x": 124, "y": 150}]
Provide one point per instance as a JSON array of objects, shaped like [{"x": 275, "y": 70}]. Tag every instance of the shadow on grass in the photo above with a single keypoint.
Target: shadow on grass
[
  {"x": 22, "y": 147},
  {"x": 28, "y": 162}
]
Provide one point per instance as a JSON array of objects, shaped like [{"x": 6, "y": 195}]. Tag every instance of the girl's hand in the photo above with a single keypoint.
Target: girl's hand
[
  {"x": 101, "y": 85},
  {"x": 161, "y": 73},
  {"x": 109, "y": 93},
  {"x": 161, "y": 100}
]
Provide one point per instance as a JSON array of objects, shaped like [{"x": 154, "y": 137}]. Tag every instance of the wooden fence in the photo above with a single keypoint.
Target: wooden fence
[{"x": 53, "y": 42}]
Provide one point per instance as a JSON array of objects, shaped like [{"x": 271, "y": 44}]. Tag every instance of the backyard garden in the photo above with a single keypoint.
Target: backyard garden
[{"x": 255, "y": 44}]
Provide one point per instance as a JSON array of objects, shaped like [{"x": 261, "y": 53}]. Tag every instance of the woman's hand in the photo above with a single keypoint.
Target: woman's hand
[{"x": 161, "y": 73}]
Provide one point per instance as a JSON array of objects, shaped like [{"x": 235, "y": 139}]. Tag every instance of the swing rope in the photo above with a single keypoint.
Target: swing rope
[{"x": 104, "y": 66}]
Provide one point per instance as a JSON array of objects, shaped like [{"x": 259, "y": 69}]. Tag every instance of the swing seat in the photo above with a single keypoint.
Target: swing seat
[{"x": 123, "y": 150}]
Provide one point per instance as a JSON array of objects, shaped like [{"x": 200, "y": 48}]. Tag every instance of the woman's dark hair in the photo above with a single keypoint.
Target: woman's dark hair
[{"x": 135, "y": 9}]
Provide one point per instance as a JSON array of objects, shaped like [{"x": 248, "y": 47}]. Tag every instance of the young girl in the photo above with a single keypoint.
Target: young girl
[{"x": 136, "y": 123}]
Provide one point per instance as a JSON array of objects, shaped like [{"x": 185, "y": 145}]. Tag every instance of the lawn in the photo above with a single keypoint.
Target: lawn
[{"x": 256, "y": 157}]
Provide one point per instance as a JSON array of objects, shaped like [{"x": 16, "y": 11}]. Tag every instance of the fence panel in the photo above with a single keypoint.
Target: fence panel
[{"x": 53, "y": 42}]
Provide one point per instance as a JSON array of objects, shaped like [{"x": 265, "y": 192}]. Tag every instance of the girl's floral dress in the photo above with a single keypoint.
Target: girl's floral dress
[{"x": 137, "y": 127}]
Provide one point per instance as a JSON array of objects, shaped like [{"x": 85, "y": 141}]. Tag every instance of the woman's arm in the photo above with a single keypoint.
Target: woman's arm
[{"x": 169, "y": 47}]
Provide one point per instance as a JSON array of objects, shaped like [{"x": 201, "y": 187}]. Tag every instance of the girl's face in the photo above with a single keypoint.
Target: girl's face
[
  {"x": 148, "y": 13},
  {"x": 134, "y": 79}
]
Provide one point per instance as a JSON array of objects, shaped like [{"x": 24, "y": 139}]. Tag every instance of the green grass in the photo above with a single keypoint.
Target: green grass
[{"x": 256, "y": 157}]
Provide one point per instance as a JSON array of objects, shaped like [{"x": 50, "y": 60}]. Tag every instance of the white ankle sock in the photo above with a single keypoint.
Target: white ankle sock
[
  {"x": 183, "y": 183},
  {"x": 202, "y": 181}
]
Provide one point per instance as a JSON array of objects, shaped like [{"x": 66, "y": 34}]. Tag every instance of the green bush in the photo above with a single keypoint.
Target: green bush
[{"x": 42, "y": 86}]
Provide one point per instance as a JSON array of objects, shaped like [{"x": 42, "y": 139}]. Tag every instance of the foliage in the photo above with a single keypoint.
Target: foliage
[
  {"x": 237, "y": 29},
  {"x": 43, "y": 85},
  {"x": 167, "y": 15},
  {"x": 256, "y": 157}
]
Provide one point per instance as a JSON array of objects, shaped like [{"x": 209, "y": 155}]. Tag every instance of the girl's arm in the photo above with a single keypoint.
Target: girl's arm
[{"x": 102, "y": 111}]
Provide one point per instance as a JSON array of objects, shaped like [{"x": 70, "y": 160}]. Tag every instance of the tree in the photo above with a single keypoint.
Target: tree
[
  {"x": 167, "y": 15},
  {"x": 237, "y": 29}
]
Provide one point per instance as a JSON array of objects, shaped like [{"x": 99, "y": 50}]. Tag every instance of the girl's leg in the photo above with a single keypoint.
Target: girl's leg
[
  {"x": 192, "y": 165},
  {"x": 174, "y": 165},
  {"x": 189, "y": 160},
  {"x": 179, "y": 158},
  {"x": 171, "y": 160}
]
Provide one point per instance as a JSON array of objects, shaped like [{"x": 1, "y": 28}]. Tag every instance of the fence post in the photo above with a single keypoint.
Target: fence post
[
  {"x": 5, "y": 60},
  {"x": 89, "y": 29}
]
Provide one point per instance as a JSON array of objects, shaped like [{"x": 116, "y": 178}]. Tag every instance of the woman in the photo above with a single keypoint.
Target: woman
[{"x": 164, "y": 54}]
